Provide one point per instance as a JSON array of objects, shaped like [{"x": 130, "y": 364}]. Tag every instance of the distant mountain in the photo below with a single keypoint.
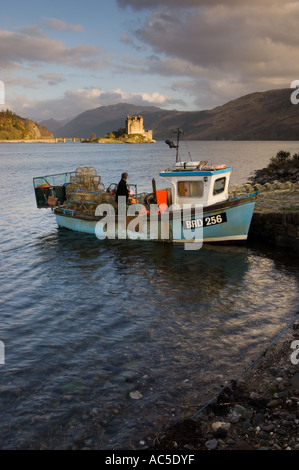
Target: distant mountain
[
  {"x": 14, "y": 127},
  {"x": 102, "y": 120},
  {"x": 266, "y": 115},
  {"x": 53, "y": 124}
]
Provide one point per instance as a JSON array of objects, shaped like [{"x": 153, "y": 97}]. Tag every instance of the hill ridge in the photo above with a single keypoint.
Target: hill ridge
[
  {"x": 267, "y": 115},
  {"x": 14, "y": 127}
]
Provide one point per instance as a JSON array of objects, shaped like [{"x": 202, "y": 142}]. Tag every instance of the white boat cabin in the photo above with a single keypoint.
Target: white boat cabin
[{"x": 198, "y": 182}]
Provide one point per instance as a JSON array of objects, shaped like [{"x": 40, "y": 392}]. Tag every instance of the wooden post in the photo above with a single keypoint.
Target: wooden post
[{"x": 154, "y": 190}]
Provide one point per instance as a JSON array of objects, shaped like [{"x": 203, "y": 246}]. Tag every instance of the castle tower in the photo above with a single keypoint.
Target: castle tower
[{"x": 134, "y": 125}]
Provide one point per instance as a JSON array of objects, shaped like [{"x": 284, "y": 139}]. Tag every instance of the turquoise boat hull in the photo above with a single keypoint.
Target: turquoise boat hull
[
  {"x": 227, "y": 222},
  {"x": 227, "y": 225}
]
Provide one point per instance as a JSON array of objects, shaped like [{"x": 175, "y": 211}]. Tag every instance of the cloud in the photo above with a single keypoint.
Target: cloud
[
  {"x": 220, "y": 37},
  {"x": 20, "y": 81},
  {"x": 74, "y": 102},
  {"x": 139, "y": 98},
  {"x": 145, "y": 4},
  {"x": 179, "y": 4},
  {"x": 32, "y": 31},
  {"x": 18, "y": 48},
  {"x": 60, "y": 25},
  {"x": 52, "y": 78},
  {"x": 221, "y": 46},
  {"x": 126, "y": 39}
]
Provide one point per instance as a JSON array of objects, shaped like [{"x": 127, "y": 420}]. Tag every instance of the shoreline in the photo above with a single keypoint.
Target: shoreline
[
  {"x": 63, "y": 140},
  {"x": 30, "y": 141},
  {"x": 260, "y": 411}
]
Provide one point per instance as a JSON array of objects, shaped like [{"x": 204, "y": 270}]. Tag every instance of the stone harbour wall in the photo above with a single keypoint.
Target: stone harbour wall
[
  {"x": 276, "y": 228},
  {"x": 276, "y": 215}
]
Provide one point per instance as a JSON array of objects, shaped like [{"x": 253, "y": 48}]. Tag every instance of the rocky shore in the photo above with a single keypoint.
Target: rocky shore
[
  {"x": 259, "y": 411},
  {"x": 272, "y": 196}
]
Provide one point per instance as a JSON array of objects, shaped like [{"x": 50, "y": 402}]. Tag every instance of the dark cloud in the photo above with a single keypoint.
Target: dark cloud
[
  {"x": 221, "y": 46},
  {"x": 183, "y": 4},
  {"x": 222, "y": 38}
]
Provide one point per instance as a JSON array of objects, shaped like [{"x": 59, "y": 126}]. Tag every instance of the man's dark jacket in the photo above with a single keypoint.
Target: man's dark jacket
[{"x": 122, "y": 190}]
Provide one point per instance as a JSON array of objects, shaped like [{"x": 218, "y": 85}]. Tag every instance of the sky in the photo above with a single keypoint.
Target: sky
[{"x": 60, "y": 58}]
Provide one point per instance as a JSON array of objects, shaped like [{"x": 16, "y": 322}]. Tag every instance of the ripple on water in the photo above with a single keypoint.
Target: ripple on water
[{"x": 86, "y": 322}]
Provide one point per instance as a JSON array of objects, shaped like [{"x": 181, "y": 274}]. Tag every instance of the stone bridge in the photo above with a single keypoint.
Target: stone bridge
[{"x": 65, "y": 139}]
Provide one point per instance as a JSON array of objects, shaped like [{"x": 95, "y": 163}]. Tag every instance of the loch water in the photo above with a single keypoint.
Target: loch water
[{"x": 108, "y": 342}]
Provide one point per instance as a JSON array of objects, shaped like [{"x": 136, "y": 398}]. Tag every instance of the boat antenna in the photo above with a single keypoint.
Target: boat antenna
[
  {"x": 173, "y": 146},
  {"x": 188, "y": 150},
  {"x": 178, "y": 132}
]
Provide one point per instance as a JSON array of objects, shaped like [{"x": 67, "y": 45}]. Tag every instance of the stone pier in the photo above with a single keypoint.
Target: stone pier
[
  {"x": 275, "y": 219},
  {"x": 276, "y": 228}
]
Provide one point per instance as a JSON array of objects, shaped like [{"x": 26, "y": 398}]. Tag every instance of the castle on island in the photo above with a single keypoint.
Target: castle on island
[{"x": 134, "y": 125}]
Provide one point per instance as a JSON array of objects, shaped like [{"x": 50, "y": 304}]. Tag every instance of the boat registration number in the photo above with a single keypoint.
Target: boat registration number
[{"x": 205, "y": 221}]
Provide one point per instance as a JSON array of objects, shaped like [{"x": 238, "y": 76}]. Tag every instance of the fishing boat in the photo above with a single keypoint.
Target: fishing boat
[{"x": 194, "y": 208}]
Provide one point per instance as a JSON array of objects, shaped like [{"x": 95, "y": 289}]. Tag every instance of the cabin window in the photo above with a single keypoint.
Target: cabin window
[
  {"x": 219, "y": 186},
  {"x": 190, "y": 188}
]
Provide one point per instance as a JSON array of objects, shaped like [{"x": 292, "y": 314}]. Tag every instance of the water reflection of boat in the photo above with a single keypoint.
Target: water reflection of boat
[{"x": 194, "y": 208}]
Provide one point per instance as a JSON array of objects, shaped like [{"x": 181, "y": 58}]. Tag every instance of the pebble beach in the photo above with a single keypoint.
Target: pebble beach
[{"x": 260, "y": 411}]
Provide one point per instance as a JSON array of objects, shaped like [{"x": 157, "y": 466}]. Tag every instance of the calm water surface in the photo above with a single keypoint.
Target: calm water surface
[{"x": 86, "y": 322}]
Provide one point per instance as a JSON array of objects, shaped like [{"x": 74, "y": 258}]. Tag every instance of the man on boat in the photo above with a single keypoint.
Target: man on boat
[{"x": 122, "y": 189}]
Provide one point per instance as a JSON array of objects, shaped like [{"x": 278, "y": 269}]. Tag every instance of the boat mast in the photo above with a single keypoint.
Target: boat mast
[
  {"x": 171, "y": 144},
  {"x": 178, "y": 132}
]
